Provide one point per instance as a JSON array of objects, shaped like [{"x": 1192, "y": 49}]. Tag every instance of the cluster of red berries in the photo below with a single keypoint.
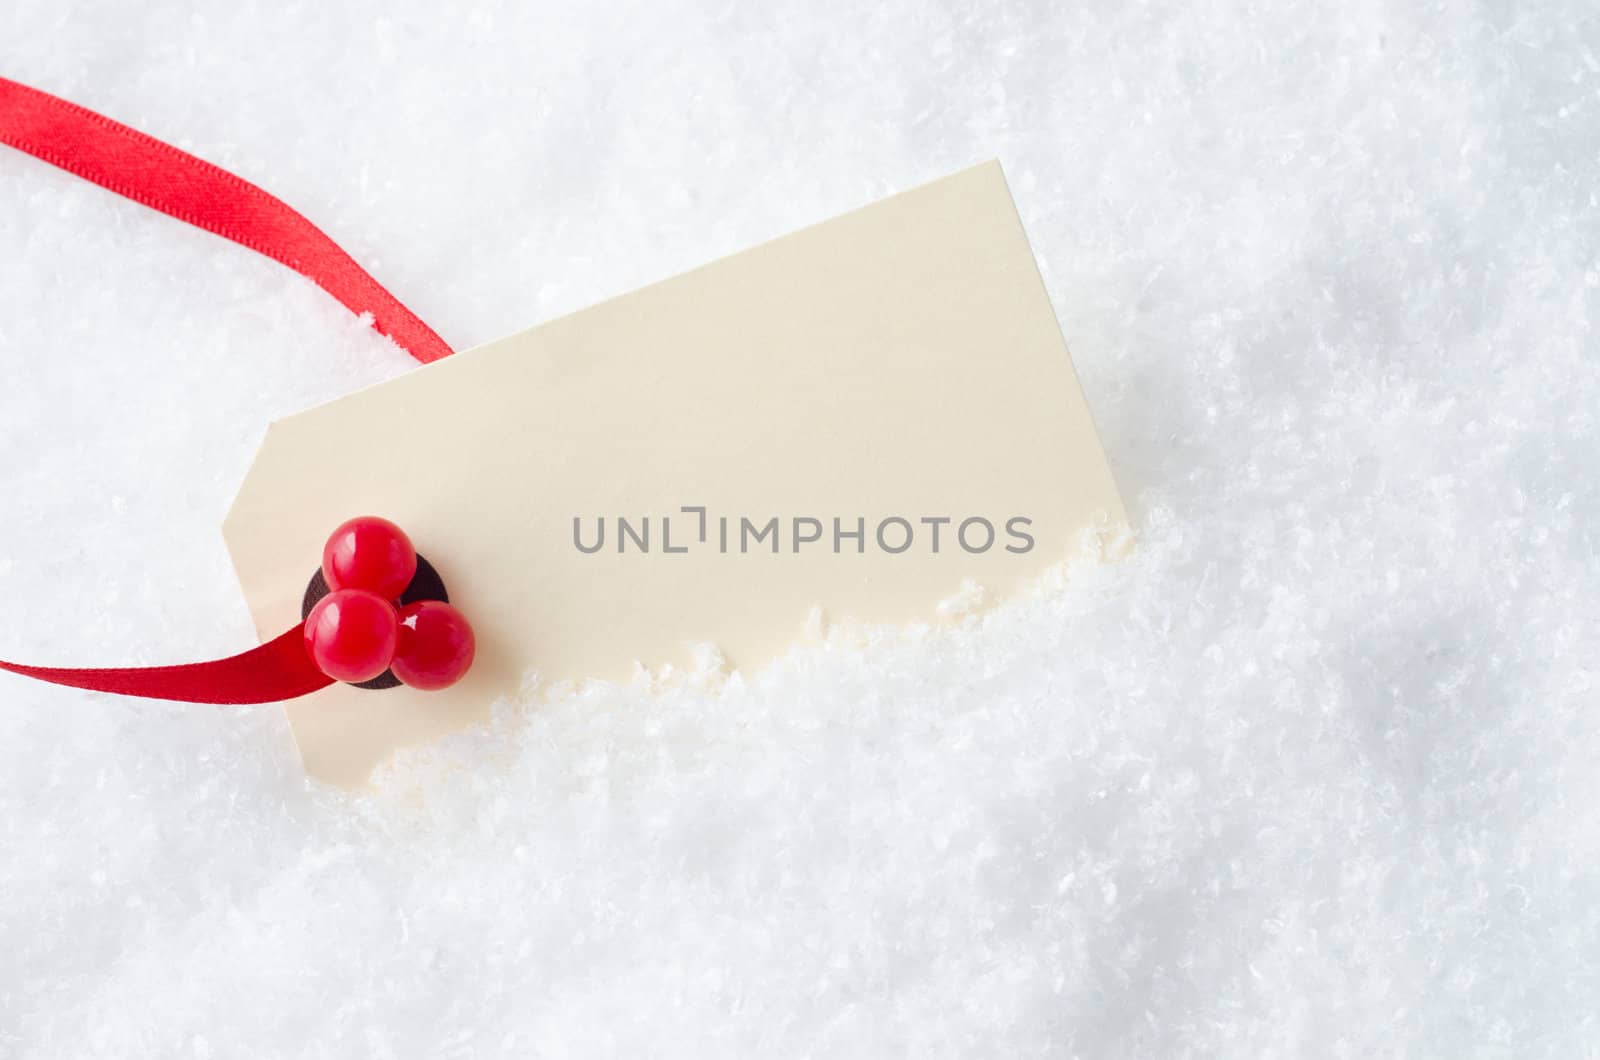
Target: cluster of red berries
[{"x": 358, "y": 630}]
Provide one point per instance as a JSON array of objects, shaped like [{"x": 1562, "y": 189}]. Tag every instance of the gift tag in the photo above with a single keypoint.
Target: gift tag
[{"x": 864, "y": 418}]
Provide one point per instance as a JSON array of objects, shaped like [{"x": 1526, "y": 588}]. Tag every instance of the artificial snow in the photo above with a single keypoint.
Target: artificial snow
[{"x": 1314, "y": 771}]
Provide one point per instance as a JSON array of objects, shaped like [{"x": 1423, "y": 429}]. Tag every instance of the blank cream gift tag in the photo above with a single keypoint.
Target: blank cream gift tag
[{"x": 830, "y": 420}]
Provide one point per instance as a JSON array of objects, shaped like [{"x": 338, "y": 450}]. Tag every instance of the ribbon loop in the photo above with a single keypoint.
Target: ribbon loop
[{"x": 160, "y": 176}]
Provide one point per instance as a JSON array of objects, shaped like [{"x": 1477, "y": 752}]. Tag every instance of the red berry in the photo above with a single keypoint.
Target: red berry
[
  {"x": 436, "y": 645},
  {"x": 351, "y": 634},
  {"x": 369, "y": 553}
]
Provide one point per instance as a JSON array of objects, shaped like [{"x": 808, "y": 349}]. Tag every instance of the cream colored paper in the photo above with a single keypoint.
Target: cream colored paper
[{"x": 902, "y": 360}]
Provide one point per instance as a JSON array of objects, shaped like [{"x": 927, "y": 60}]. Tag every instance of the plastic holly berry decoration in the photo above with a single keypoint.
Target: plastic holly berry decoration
[
  {"x": 359, "y": 630},
  {"x": 369, "y": 553},
  {"x": 436, "y": 646},
  {"x": 351, "y": 634}
]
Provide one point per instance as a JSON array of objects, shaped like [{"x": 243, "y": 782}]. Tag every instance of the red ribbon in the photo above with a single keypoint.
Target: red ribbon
[
  {"x": 180, "y": 185},
  {"x": 279, "y": 669},
  {"x": 164, "y": 178}
]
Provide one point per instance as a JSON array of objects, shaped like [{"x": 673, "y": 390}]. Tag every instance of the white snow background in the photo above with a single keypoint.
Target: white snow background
[{"x": 1315, "y": 772}]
